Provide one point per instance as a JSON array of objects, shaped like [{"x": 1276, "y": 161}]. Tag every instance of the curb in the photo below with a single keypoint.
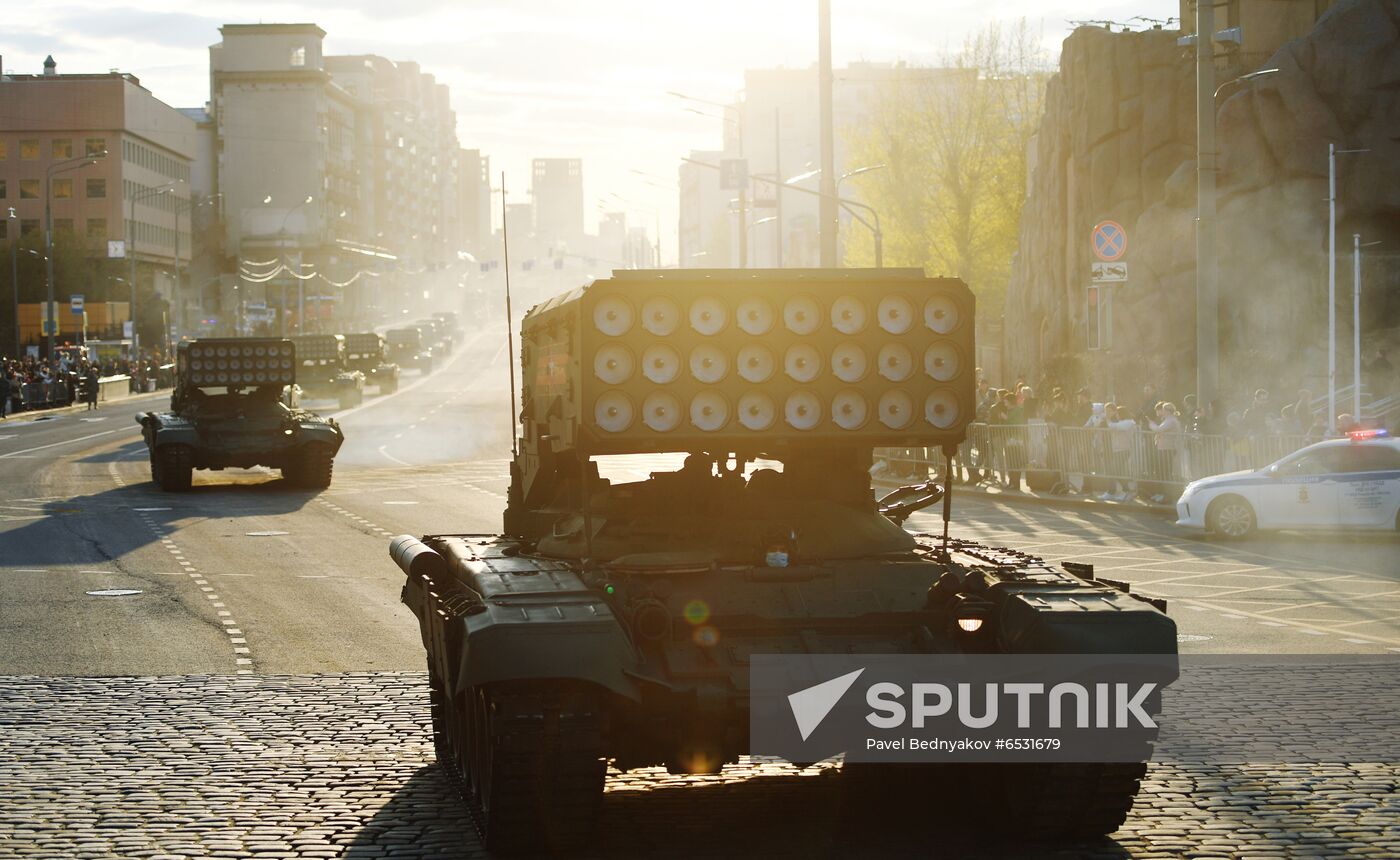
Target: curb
[
  {"x": 81, "y": 406},
  {"x": 1009, "y": 497}
]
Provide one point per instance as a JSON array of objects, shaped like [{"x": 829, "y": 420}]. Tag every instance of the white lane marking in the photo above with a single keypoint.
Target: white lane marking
[
  {"x": 389, "y": 456},
  {"x": 150, "y": 509},
  {"x": 1359, "y": 641},
  {"x": 266, "y": 534},
  {"x": 400, "y": 503},
  {"x": 93, "y": 420},
  {"x": 24, "y": 451},
  {"x": 30, "y": 570},
  {"x": 9, "y": 436}
]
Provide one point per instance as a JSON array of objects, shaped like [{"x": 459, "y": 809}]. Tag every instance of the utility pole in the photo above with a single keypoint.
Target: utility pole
[
  {"x": 743, "y": 228},
  {"x": 13, "y": 233},
  {"x": 828, "y": 220},
  {"x": 1207, "y": 289},
  {"x": 1331, "y": 289}
]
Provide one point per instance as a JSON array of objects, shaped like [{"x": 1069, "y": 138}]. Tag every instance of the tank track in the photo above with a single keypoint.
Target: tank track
[{"x": 544, "y": 751}]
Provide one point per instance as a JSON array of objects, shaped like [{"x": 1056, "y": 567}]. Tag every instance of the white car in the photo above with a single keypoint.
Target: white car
[{"x": 1348, "y": 483}]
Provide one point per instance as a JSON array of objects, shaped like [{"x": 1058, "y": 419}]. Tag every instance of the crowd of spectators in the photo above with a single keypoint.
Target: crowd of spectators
[
  {"x": 1140, "y": 445},
  {"x": 69, "y": 377}
]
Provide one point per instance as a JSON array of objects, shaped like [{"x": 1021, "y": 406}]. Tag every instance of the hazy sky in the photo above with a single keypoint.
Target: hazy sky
[{"x": 545, "y": 78}]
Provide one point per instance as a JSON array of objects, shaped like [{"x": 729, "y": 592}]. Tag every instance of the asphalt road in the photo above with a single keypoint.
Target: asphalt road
[{"x": 268, "y": 619}]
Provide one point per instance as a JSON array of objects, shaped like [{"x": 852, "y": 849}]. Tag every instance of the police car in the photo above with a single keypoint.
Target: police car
[{"x": 1348, "y": 483}]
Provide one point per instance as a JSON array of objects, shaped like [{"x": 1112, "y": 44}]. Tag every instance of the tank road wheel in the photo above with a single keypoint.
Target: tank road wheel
[
  {"x": 172, "y": 467},
  {"x": 439, "y": 710},
  {"x": 1230, "y": 517},
  {"x": 312, "y": 468},
  {"x": 536, "y": 766}
]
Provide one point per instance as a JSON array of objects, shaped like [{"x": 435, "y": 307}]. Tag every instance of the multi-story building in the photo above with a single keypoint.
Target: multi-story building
[
  {"x": 333, "y": 164},
  {"x": 474, "y": 204},
  {"x": 140, "y": 145},
  {"x": 775, "y": 127},
  {"x": 556, "y": 195}
]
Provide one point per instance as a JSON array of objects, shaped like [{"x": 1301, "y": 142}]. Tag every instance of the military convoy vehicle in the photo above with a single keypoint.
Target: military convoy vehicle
[
  {"x": 323, "y": 372},
  {"x": 227, "y": 411},
  {"x": 409, "y": 348},
  {"x": 454, "y": 325},
  {"x": 614, "y": 621},
  {"x": 365, "y": 353},
  {"x": 437, "y": 335}
]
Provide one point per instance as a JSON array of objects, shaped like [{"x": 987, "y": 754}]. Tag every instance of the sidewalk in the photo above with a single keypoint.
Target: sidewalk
[{"x": 1002, "y": 495}]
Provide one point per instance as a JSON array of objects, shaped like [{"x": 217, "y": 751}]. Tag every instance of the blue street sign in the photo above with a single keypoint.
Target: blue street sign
[{"x": 1110, "y": 241}]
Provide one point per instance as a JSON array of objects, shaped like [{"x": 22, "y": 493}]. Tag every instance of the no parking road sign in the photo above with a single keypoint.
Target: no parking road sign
[{"x": 1110, "y": 241}]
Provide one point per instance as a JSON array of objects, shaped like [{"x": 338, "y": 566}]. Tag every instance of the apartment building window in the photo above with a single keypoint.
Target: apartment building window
[
  {"x": 63, "y": 189},
  {"x": 29, "y": 189},
  {"x": 4, "y": 228},
  {"x": 96, "y": 189},
  {"x": 62, "y": 147},
  {"x": 3, "y": 189},
  {"x": 95, "y": 146},
  {"x": 63, "y": 225},
  {"x": 4, "y": 149},
  {"x": 298, "y": 57},
  {"x": 28, "y": 226},
  {"x": 97, "y": 228},
  {"x": 29, "y": 150}
]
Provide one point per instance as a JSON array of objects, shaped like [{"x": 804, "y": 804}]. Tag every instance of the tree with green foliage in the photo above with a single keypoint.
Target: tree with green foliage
[{"x": 955, "y": 145}]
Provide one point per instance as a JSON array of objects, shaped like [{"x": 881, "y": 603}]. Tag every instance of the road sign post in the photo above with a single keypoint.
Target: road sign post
[{"x": 1109, "y": 241}]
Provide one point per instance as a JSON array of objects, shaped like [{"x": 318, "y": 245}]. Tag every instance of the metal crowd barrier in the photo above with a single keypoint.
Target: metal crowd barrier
[{"x": 1090, "y": 459}]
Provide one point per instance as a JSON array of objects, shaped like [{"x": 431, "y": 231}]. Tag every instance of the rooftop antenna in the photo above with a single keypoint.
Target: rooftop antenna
[{"x": 510, "y": 338}]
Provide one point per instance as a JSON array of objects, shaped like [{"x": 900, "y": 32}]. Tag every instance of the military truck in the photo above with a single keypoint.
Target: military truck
[
  {"x": 227, "y": 411},
  {"x": 437, "y": 335},
  {"x": 365, "y": 353},
  {"x": 454, "y": 325},
  {"x": 409, "y": 348},
  {"x": 323, "y": 371},
  {"x": 614, "y": 621}
]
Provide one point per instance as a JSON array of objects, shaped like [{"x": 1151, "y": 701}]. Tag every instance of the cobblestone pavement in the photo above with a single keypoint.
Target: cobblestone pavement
[{"x": 338, "y": 765}]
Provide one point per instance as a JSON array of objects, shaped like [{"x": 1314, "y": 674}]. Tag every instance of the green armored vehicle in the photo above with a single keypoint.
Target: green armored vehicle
[
  {"x": 228, "y": 411},
  {"x": 409, "y": 348},
  {"x": 365, "y": 353},
  {"x": 437, "y": 333},
  {"x": 615, "y": 620},
  {"x": 323, "y": 370}
]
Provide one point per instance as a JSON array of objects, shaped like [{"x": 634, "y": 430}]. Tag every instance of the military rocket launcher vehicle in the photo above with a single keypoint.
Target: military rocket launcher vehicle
[
  {"x": 227, "y": 411},
  {"x": 324, "y": 370},
  {"x": 614, "y": 621},
  {"x": 365, "y": 352}
]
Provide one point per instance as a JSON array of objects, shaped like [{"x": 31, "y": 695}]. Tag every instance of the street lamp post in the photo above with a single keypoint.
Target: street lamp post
[
  {"x": 1332, "y": 152},
  {"x": 1356, "y": 246},
  {"x": 131, "y": 253},
  {"x": 846, "y": 203},
  {"x": 57, "y": 167},
  {"x": 14, "y": 274}
]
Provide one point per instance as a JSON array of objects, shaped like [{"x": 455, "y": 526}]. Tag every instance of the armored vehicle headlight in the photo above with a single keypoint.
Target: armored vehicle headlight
[
  {"x": 708, "y": 364},
  {"x": 613, "y": 412},
  {"x": 613, "y": 316},
  {"x": 614, "y": 364},
  {"x": 660, "y": 316},
  {"x": 849, "y": 409},
  {"x": 896, "y": 409},
  {"x": 709, "y": 411},
  {"x": 802, "y": 362},
  {"x": 896, "y": 314},
  {"x": 661, "y": 411},
  {"x": 941, "y": 409},
  {"x": 896, "y": 362},
  {"x": 755, "y": 363},
  {"x": 708, "y": 316},
  {"x": 755, "y": 316},
  {"x": 801, "y": 315},
  {"x": 970, "y": 625},
  {"x": 848, "y": 315},
  {"x": 849, "y": 363},
  {"x": 941, "y": 361},
  {"x": 941, "y": 313},
  {"x": 661, "y": 364},
  {"x": 756, "y": 411},
  {"x": 803, "y": 410}
]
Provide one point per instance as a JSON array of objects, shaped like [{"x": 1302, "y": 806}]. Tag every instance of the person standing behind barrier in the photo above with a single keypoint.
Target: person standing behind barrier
[
  {"x": 1021, "y": 408},
  {"x": 4, "y": 392},
  {"x": 1167, "y": 441},
  {"x": 1121, "y": 430}
]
